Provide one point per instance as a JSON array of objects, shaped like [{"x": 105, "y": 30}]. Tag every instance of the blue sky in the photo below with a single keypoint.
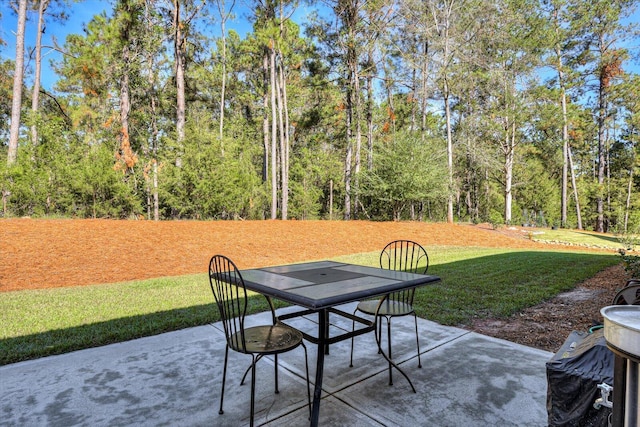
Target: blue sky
[{"x": 82, "y": 12}]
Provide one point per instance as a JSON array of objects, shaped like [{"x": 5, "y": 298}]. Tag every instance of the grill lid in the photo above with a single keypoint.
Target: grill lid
[{"x": 622, "y": 327}]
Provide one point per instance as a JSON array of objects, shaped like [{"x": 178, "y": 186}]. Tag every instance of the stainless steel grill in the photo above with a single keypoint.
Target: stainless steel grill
[{"x": 622, "y": 333}]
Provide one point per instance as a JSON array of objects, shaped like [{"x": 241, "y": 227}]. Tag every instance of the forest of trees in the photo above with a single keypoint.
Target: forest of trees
[{"x": 507, "y": 111}]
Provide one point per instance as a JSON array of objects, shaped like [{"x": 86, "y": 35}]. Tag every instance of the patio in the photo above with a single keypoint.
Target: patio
[{"x": 174, "y": 379}]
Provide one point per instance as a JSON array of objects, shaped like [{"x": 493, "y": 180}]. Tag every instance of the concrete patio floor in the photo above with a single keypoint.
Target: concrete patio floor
[{"x": 174, "y": 379}]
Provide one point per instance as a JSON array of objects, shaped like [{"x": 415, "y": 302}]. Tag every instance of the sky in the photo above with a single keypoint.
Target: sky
[{"x": 80, "y": 13}]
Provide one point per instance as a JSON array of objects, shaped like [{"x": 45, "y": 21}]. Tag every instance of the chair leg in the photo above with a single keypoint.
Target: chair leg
[
  {"x": 244, "y": 377},
  {"x": 306, "y": 362},
  {"x": 224, "y": 377},
  {"x": 391, "y": 364},
  {"x": 389, "y": 346},
  {"x": 353, "y": 328},
  {"x": 253, "y": 389},
  {"x": 417, "y": 340},
  {"x": 276, "y": 365},
  {"x": 380, "y": 334}
]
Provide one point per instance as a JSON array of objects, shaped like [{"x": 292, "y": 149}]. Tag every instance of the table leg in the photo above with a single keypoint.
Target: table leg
[
  {"x": 317, "y": 392},
  {"x": 326, "y": 330}
]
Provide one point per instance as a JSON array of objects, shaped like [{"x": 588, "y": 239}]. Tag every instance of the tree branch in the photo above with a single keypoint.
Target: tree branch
[{"x": 68, "y": 119}]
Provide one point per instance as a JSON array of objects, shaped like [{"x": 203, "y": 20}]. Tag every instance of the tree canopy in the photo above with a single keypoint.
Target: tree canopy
[{"x": 516, "y": 111}]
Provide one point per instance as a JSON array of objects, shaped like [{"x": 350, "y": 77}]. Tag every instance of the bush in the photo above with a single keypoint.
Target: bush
[
  {"x": 496, "y": 220},
  {"x": 631, "y": 263}
]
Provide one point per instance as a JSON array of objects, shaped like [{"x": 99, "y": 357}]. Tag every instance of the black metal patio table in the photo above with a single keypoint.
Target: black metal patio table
[{"x": 321, "y": 286}]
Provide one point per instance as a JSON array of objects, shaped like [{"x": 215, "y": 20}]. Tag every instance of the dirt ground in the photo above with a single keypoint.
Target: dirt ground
[
  {"x": 547, "y": 325},
  {"x": 38, "y": 254}
]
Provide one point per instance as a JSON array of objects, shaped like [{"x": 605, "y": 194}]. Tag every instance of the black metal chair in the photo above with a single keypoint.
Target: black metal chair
[
  {"x": 629, "y": 295},
  {"x": 633, "y": 281},
  {"x": 399, "y": 255},
  {"x": 230, "y": 295}
]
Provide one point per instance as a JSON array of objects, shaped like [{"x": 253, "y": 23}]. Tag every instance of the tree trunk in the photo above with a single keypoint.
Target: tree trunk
[
  {"x": 283, "y": 131},
  {"x": 565, "y": 124},
  {"x": 179, "y": 53},
  {"x": 602, "y": 121},
  {"x": 358, "y": 119},
  {"x": 391, "y": 113},
  {"x": 349, "y": 153},
  {"x": 575, "y": 189},
  {"x": 18, "y": 77},
  {"x": 350, "y": 19},
  {"x": 423, "y": 90},
  {"x": 414, "y": 96},
  {"x": 628, "y": 204},
  {"x": 447, "y": 109},
  {"x": 224, "y": 15},
  {"x": 508, "y": 171},
  {"x": 35, "y": 97},
  {"x": 265, "y": 116},
  {"x": 565, "y": 155},
  {"x": 601, "y": 161},
  {"x": 274, "y": 135},
  {"x": 288, "y": 138},
  {"x": 125, "y": 153},
  {"x": 441, "y": 25},
  {"x": 369, "y": 88},
  {"x": 153, "y": 97},
  {"x": 224, "y": 83},
  {"x": 284, "y": 126},
  {"x": 330, "y": 200}
]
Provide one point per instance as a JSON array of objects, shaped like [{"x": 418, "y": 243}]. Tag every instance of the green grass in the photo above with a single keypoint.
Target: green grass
[
  {"x": 481, "y": 283},
  {"x": 53, "y": 321},
  {"x": 577, "y": 237},
  {"x": 476, "y": 283}
]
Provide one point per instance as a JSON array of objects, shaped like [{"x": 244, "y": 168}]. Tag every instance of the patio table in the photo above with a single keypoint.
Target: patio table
[{"x": 321, "y": 286}]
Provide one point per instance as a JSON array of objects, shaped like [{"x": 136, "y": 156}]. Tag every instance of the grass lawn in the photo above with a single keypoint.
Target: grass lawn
[
  {"x": 579, "y": 237},
  {"x": 476, "y": 282}
]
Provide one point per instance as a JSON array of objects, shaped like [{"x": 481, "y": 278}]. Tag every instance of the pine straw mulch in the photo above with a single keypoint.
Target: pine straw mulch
[{"x": 38, "y": 254}]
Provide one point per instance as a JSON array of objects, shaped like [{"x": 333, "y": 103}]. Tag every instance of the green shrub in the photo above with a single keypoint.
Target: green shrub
[
  {"x": 496, "y": 220},
  {"x": 631, "y": 263}
]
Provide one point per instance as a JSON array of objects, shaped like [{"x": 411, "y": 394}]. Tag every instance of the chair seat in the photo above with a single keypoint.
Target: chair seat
[
  {"x": 389, "y": 308},
  {"x": 267, "y": 339}
]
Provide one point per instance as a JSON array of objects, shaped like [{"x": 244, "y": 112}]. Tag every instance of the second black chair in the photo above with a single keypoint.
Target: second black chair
[{"x": 399, "y": 255}]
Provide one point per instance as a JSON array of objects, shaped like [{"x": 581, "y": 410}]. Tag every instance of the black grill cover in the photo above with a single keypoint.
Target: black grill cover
[{"x": 573, "y": 375}]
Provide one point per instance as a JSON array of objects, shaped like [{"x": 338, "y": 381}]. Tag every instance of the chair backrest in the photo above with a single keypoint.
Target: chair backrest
[
  {"x": 404, "y": 255},
  {"x": 629, "y": 295},
  {"x": 230, "y": 294}
]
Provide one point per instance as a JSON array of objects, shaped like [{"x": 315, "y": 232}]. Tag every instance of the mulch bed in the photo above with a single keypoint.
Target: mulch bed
[{"x": 547, "y": 325}]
